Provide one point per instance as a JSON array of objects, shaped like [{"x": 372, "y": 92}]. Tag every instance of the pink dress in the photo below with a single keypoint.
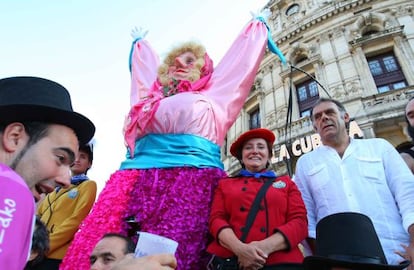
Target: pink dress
[
  {"x": 169, "y": 182},
  {"x": 17, "y": 210}
]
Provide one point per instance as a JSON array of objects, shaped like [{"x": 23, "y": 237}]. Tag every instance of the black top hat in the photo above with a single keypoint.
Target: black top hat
[
  {"x": 36, "y": 99},
  {"x": 348, "y": 240}
]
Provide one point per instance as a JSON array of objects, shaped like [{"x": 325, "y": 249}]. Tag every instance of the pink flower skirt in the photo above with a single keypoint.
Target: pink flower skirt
[{"x": 171, "y": 202}]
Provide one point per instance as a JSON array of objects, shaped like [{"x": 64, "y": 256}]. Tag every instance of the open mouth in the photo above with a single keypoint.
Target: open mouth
[
  {"x": 40, "y": 189},
  {"x": 36, "y": 192},
  {"x": 180, "y": 70}
]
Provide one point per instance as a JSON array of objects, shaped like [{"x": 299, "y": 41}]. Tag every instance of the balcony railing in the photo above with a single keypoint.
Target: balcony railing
[{"x": 387, "y": 100}]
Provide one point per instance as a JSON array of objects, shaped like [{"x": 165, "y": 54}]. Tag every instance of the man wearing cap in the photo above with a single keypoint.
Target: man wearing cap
[{"x": 40, "y": 136}]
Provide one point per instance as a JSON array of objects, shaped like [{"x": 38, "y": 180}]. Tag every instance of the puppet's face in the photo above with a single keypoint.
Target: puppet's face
[{"x": 184, "y": 68}]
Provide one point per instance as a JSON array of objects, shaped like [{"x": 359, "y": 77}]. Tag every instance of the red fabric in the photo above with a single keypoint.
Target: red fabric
[
  {"x": 282, "y": 206},
  {"x": 263, "y": 133}
]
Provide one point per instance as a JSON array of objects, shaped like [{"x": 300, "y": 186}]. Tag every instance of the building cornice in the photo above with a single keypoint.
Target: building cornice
[{"x": 316, "y": 18}]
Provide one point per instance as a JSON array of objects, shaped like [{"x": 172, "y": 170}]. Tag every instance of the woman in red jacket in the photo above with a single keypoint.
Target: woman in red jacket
[{"x": 280, "y": 223}]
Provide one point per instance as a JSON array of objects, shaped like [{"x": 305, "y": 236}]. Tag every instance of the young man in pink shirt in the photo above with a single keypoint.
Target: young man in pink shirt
[{"x": 40, "y": 136}]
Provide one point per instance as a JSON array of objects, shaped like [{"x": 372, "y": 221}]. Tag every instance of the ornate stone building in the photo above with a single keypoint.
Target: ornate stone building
[{"x": 360, "y": 52}]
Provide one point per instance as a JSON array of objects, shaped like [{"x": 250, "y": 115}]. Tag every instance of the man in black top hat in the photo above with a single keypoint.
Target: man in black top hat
[
  {"x": 40, "y": 136},
  {"x": 348, "y": 241}
]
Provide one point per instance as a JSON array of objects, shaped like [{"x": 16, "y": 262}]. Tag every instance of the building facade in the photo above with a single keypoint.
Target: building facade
[{"x": 360, "y": 52}]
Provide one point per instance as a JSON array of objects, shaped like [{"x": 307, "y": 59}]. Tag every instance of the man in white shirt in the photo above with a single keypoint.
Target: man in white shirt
[{"x": 350, "y": 175}]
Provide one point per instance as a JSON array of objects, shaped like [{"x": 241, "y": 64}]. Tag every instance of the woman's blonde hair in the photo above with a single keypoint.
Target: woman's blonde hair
[{"x": 199, "y": 52}]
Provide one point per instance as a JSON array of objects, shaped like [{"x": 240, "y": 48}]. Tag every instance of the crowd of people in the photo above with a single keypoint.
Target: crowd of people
[
  {"x": 180, "y": 113},
  {"x": 349, "y": 205}
]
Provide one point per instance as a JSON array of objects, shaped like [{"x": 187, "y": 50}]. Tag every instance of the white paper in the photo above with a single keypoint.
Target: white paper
[{"x": 150, "y": 244}]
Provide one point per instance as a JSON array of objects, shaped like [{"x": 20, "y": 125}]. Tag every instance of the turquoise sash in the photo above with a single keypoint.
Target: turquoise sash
[{"x": 173, "y": 150}]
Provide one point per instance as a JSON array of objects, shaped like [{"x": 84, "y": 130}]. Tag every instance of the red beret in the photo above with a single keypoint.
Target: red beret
[{"x": 263, "y": 133}]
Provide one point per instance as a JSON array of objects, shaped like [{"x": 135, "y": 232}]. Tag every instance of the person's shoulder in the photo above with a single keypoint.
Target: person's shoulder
[
  {"x": 311, "y": 154},
  {"x": 230, "y": 180},
  {"x": 9, "y": 175},
  {"x": 284, "y": 177},
  {"x": 13, "y": 183},
  {"x": 373, "y": 141},
  {"x": 85, "y": 183},
  {"x": 89, "y": 182},
  {"x": 376, "y": 144},
  {"x": 408, "y": 157},
  {"x": 407, "y": 154},
  {"x": 15, "y": 193},
  {"x": 88, "y": 185}
]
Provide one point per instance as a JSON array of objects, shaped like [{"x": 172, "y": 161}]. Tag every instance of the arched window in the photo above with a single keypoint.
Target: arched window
[
  {"x": 254, "y": 119},
  {"x": 293, "y": 9}
]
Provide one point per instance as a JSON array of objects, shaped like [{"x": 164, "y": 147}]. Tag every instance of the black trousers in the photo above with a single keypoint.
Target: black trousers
[
  {"x": 218, "y": 263},
  {"x": 284, "y": 266}
]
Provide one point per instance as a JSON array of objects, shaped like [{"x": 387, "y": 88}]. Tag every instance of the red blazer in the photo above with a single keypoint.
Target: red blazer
[{"x": 282, "y": 210}]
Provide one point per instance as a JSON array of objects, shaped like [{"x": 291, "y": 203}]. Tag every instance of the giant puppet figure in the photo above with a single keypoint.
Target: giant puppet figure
[{"x": 180, "y": 113}]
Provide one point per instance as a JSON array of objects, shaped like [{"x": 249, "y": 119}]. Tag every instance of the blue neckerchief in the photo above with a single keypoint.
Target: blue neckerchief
[
  {"x": 76, "y": 180},
  {"x": 268, "y": 174}
]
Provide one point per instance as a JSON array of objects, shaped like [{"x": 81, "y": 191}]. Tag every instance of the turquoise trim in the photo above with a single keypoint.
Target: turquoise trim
[
  {"x": 173, "y": 150},
  {"x": 271, "y": 44},
  {"x": 131, "y": 52}
]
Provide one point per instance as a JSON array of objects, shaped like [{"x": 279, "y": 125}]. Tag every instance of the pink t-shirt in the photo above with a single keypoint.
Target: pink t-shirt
[{"x": 17, "y": 210}]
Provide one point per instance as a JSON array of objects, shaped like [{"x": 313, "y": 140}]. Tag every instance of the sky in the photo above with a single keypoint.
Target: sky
[{"x": 84, "y": 45}]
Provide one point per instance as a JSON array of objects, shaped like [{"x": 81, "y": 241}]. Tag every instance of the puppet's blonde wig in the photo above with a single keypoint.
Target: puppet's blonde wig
[{"x": 197, "y": 49}]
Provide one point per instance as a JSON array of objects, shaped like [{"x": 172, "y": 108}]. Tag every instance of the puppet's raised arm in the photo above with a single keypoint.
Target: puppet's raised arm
[
  {"x": 234, "y": 75},
  {"x": 143, "y": 64}
]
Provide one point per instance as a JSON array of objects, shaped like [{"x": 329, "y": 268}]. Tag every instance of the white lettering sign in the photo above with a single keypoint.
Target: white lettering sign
[{"x": 308, "y": 143}]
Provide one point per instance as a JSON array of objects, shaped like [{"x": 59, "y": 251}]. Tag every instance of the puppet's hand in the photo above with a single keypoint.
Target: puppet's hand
[
  {"x": 265, "y": 14},
  {"x": 138, "y": 33}
]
